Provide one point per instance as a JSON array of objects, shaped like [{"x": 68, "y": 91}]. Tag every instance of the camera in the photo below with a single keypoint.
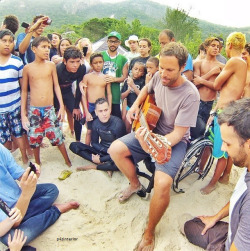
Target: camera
[
  {"x": 25, "y": 25},
  {"x": 84, "y": 50},
  {"x": 32, "y": 168},
  {"x": 4, "y": 207},
  {"x": 47, "y": 22},
  {"x": 49, "y": 36}
]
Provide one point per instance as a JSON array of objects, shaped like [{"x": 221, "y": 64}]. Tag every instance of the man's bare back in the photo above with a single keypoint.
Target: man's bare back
[
  {"x": 40, "y": 78},
  {"x": 231, "y": 81},
  {"x": 246, "y": 92}
]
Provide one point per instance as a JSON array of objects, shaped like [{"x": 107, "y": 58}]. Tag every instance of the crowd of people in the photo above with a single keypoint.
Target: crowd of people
[{"x": 44, "y": 78}]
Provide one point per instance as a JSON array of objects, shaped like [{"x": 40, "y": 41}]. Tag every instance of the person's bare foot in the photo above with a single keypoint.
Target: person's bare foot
[
  {"x": 224, "y": 179},
  {"x": 65, "y": 207},
  {"x": 128, "y": 192},
  {"x": 147, "y": 242},
  {"x": 85, "y": 168},
  {"x": 207, "y": 189}
]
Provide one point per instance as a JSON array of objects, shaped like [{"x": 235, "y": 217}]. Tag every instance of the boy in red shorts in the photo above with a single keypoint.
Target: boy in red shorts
[{"x": 42, "y": 121}]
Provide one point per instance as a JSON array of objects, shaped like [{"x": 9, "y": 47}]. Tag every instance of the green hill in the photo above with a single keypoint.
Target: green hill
[{"x": 64, "y": 12}]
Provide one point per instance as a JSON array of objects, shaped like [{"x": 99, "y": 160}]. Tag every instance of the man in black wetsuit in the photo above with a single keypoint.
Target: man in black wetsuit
[
  {"x": 68, "y": 71},
  {"x": 105, "y": 129}
]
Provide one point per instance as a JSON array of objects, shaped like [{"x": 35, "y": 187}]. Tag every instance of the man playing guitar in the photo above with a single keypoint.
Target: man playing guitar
[{"x": 179, "y": 100}]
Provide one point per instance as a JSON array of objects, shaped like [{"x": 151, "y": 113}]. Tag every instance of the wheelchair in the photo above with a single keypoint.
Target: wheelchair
[{"x": 198, "y": 160}]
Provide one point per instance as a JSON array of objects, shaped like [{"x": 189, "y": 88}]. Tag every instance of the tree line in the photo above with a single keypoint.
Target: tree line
[{"x": 185, "y": 28}]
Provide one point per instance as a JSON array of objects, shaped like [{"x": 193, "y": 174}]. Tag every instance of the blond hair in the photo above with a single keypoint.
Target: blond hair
[{"x": 237, "y": 40}]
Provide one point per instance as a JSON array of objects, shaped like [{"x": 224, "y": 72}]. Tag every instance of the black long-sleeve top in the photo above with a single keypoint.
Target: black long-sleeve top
[{"x": 66, "y": 80}]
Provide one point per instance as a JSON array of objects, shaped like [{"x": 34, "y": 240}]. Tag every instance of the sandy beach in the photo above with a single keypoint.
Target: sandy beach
[{"x": 102, "y": 223}]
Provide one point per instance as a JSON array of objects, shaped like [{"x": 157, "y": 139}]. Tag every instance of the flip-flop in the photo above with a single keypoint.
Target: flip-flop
[{"x": 64, "y": 174}]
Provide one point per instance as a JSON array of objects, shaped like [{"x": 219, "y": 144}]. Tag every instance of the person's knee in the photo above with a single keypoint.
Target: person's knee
[
  {"x": 187, "y": 227},
  {"x": 162, "y": 184},
  {"x": 116, "y": 149},
  {"x": 74, "y": 147},
  {"x": 52, "y": 190},
  {"x": 192, "y": 230}
]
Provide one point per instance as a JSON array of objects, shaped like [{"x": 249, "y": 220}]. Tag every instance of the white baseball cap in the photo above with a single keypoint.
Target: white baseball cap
[{"x": 131, "y": 38}]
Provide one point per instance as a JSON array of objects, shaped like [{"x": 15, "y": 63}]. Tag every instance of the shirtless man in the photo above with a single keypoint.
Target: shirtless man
[
  {"x": 205, "y": 72},
  {"x": 246, "y": 57},
  {"x": 230, "y": 82},
  {"x": 41, "y": 76},
  {"x": 95, "y": 86}
]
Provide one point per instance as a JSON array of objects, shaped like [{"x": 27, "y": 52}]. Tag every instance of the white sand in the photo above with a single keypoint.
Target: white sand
[{"x": 102, "y": 223}]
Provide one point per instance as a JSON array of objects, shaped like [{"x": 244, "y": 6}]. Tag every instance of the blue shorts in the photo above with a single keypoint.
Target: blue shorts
[
  {"x": 91, "y": 107},
  {"x": 217, "y": 153},
  {"x": 171, "y": 167},
  {"x": 11, "y": 124},
  {"x": 43, "y": 122},
  {"x": 92, "y": 111}
]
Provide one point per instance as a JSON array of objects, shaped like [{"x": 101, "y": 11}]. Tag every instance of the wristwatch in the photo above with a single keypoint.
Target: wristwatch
[{"x": 212, "y": 113}]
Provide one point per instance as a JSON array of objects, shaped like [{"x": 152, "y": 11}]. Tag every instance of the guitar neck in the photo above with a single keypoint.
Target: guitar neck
[{"x": 143, "y": 120}]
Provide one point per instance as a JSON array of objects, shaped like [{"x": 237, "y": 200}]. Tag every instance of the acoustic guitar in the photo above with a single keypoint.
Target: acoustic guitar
[{"x": 158, "y": 146}]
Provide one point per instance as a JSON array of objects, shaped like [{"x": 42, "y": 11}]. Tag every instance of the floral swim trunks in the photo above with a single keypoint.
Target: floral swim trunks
[
  {"x": 44, "y": 123},
  {"x": 10, "y": 124}
]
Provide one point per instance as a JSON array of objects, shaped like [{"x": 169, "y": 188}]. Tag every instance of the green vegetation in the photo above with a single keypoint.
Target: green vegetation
[
  {"x": 180, "y": 23},
  {"x": 81, "y": 18}
]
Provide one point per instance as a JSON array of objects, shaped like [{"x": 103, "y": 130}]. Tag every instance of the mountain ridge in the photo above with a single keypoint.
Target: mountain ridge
[{"x": 64, "y": 12}]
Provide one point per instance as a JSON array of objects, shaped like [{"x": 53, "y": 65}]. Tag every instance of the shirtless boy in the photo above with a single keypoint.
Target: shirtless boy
[
  {"x": 230, "y": 82},
  {"x": 95, "y": 86},
  {"x": 246, "y": 57},
  {"x": 42, "y": 121},
  {"x": 205, "y": 72}
]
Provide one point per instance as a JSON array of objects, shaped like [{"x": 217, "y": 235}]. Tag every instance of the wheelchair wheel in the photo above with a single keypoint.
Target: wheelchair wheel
[{"x": 198, "y": 160}]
